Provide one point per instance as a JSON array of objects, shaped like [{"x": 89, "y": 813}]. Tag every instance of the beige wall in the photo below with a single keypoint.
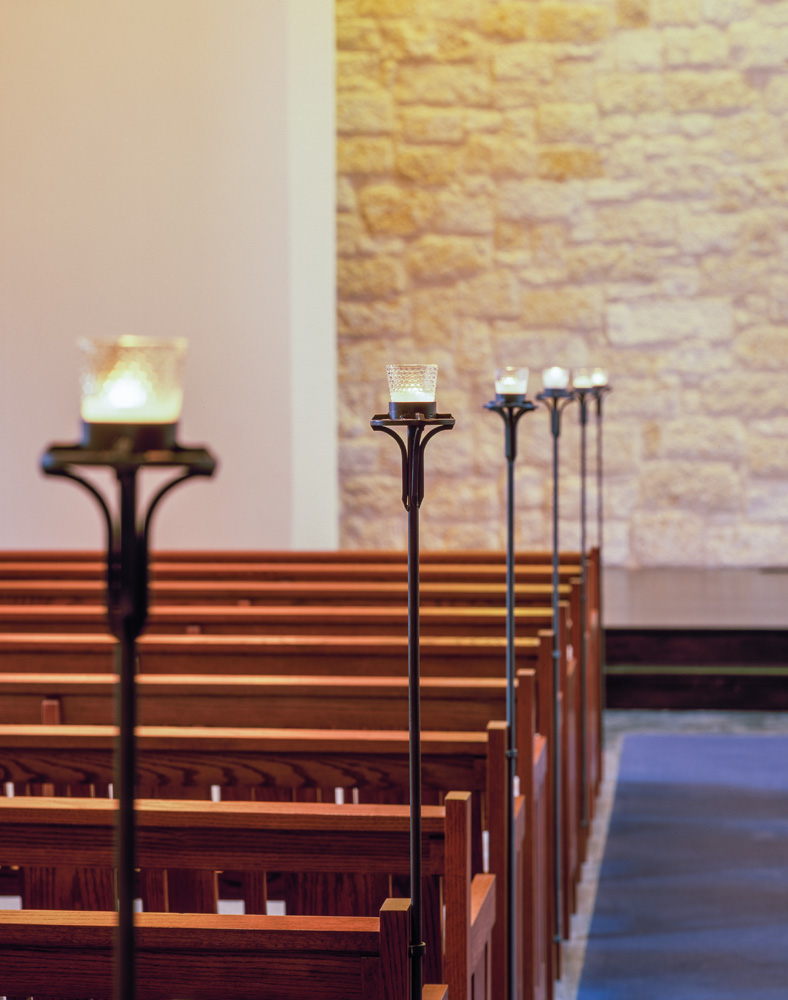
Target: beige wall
[
  {"x": 167, "y": 168},
  {"x": 541, "y": 182}
]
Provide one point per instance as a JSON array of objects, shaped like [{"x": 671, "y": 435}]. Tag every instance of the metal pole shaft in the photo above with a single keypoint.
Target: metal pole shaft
[
  {"x": 557, "y": 728},
  {"x": 510, "y": 715},
  {"x": 414, "y": 714},
  {"x": 125, "y": 766},
  {"x": 600, "y": 595},
  {"x": 583, "y": 616}
]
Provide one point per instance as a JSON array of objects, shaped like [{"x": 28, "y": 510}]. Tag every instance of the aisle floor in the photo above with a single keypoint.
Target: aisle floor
[{"x": 617, "y": 724}]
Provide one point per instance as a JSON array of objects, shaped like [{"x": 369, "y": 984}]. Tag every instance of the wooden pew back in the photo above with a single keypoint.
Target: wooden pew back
[
  {"x": 307, "y": 839},
  {"x": 203, "y": 956}
]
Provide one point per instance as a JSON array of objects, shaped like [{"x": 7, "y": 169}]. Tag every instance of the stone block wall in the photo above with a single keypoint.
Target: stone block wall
[{"x": 582, "y": 183}]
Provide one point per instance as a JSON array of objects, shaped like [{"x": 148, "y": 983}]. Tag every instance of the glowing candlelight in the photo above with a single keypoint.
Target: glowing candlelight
[
  {"x": 511, "y": 381},
  {"x": 599, "y": 377},
  {"x": 555, "y": 378},
  {"x": 583, "y": 379},
  {"x": 134, "y": 380}
]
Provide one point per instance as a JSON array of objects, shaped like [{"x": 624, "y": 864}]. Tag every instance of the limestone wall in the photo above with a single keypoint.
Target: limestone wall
[{"x": 540, "y": 182}]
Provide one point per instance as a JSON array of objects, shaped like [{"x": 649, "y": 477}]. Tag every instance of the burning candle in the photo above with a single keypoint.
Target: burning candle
[
  {"x": 412, "y": 383},
  {"x": 555, "y": 378},
  {"x": 583, "y": 379},
  {"x": 511, "y": 381},
  {"x": 134, "y": 380}
]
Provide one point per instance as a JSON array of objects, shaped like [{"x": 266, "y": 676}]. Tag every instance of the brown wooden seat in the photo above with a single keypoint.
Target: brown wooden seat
[
  {"x": 366, "y": 844},
  {"x": 294, "y": 555},
  {"x": 260, "y": 763},
  {"x": 269, "y": 592},
  {"x": 295, "y": 619},
  {"x": 69, "y": 954},
  {"x": 318, "y": 655},
  {"x": 347, "y": 570}
]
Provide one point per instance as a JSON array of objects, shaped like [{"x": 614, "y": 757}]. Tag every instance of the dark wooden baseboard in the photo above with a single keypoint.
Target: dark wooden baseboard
[
  {"x": 690, "y": 688},
  {"x": 685, "y": 668},
  {"x": 674, "y": 646}
]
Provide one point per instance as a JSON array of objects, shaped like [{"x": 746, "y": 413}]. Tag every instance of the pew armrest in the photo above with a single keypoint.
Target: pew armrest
[
  {"x": 482, "y": 914},
  {"x": 434, "y": 992}
]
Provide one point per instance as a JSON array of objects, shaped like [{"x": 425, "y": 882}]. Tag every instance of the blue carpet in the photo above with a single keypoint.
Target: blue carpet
[{"x": 693, "y": 892}]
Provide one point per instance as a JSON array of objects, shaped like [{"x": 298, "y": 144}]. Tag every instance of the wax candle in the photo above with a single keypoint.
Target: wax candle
[
  {"x": 511, "y": 380},
  {"x": 555, "y": 378},
  {"x": 411, "y": 395}
]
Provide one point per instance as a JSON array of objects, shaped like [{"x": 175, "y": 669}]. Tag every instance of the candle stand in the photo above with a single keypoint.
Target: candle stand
[
  {"x": 511, "y": 407},
  {"x": 415, "y": 419},
  {"x": 583, "y": 392},
  {"x": 601, "y": 388},
  {"x": 126, "y": 449},
  {"x": 556, "y": 400}
]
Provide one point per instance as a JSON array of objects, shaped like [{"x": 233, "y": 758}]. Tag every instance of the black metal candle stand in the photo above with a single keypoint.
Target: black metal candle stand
[
  {"x": 511, "y": 407},
  {"x": 599, "y": 392},
  {"x": 415, "y": 421},
  {"x": 583, "y": 395},
  {"x": 556, "y": 401},
  {"x": 126, "y": 449}
]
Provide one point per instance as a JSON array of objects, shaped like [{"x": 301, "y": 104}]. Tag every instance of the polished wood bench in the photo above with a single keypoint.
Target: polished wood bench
[
  {"x": 325, "y": 656},
  {"x": 203, "y": 956},
  {"x": 446, "y": 656},
  {"x": 366, "y": 844},
  {"x": 490, "y": 556},
  {"x": 283, "y": 701},
  {"x": 296, "y": 619},
  {"x": 269, "y": 592},
  {"x": 348, "y": 570}
]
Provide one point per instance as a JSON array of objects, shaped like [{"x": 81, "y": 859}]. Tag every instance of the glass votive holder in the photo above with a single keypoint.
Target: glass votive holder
[
  {"x": 511, "y": 381},
  {"x": 133, "y": 382},
  {"x": 412, "y": 390}
]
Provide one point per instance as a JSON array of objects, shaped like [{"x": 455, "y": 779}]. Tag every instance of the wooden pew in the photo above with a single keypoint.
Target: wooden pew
[
  {"x": 490, "y": 556},
  {"x": 203, "y": 956},
  {"x": 290, "y": 702},
  {"x": 330, "y": 656},
  {"x": 367, "y": 843},
  {"x": 310, "y": 652},
  {"x": 287, "y": 702},
  {"x": 319, "y": 655},
  {"x": 303, "y": 764},
  {"x": 320, "y": 572},
  {"x": 269, "y": 592},
  {"x": 295, "y": 619},
  {"x": 263, "y": 763}
]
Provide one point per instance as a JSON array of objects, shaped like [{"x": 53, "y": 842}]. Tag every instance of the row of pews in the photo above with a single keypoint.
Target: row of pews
[{"x": 273, "y": 765}]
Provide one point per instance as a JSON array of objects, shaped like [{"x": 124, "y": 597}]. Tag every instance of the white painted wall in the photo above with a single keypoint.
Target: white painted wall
[{"x": 167, "y": 168}]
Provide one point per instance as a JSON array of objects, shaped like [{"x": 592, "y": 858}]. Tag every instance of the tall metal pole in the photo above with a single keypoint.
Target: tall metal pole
[
  {"x": 127, "y": 609},
  {"x": 417, "y": 946},
  {"x": 511, "y": 409},
  {"x": 126, "y": 626},
  {"x": 555, "y": 426},
  {"x": 599, "y": 392},
  {"x": 555, "y": 400},
  {"x": 412, "y": 457},
  {"x": 581, "y": 395}
]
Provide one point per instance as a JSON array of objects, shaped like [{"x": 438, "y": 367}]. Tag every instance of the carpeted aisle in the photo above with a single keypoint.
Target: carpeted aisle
[{"x": 692, "y": 901}]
